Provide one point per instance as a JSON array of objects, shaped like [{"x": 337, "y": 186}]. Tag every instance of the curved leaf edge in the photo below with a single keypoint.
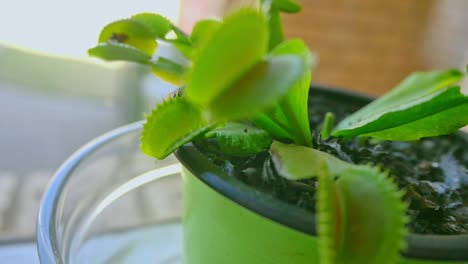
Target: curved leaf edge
[
  {"x": 198, "y": 78},
  {"x": 128, "y": 53},
  {"x": 332, "y": 218},
  {"x": 366, "y": 128},
  {"x": 154, "y": 125},
  {"x": 240, "y": 139},
  {"x": 331, "y": 206}
]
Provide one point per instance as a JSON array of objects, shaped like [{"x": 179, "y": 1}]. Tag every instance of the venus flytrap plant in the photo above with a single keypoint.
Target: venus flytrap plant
[
  {"x": 245, "y": 86},
  {"x": 240, "y": 139},
  {"x": 360, "y": 215},
  {"x": 425, "y": 104}
]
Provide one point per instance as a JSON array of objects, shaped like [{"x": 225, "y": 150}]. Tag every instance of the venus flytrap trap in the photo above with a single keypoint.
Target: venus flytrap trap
[
  {"x": 240, "y": 139},
  {"x": 245, "y": 89},
  {"x": 360, "y": 215}
]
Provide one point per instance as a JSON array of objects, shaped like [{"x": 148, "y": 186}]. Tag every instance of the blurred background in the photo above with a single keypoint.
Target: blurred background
[
  {"x": 53, "y": 98},
  {"x": 365, "y": 45}
]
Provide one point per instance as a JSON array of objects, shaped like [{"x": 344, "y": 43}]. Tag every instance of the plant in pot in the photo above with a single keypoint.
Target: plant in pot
[{"x": 268, "y": 176}]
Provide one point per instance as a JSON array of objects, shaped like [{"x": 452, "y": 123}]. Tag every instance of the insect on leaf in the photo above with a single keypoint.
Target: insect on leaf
[{"x": 130, "y": 32}]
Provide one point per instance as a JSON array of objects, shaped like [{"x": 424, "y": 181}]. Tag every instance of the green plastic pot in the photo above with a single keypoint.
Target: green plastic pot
[{"x": 229, "y": 222}]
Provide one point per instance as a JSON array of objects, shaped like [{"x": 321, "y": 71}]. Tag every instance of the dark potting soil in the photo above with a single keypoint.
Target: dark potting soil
[{"x": 433, "y": 171}]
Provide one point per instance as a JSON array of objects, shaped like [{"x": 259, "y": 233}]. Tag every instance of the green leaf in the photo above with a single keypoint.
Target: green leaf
[
  {"x": 170, "y": 125},
  {"x": 328, "y": 217},
  {"x": 276, "y": 29},
  {"x": 361, "y": 217},
  {"x": 420, "y": 96},
  {"x": 295, "y": 162},
  {"x": 441, "y": 123},
  {"x": 120, "y": 52},
  {"x": 294, "y": 105},
  {"x": 297, "y": 47},
  {"x": 272, "y": 10},
  {"x": 203, "y": 31},
  {"x": 265, "y": 122},
  {"x": 258, "y": 89},
  {"x": 291, "y": 114},
  {"x": 130, "y": 32},
  {"x": 327, "y": 126},
  {"x": 287, "y": 6},
  {"x": 158, "y": 25},
  {"x": 180, "y": 35},
  {"x": 229, "y": 54},
  {"x": 181, "y": 42},
  {"x": 183, "y": 47},
  {"x": 169, "y": 71},
  {"x": 239, "y": 139}
]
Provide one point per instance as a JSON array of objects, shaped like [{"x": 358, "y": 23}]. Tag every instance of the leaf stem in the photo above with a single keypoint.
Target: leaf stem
[{"x": 328, "y": 124}]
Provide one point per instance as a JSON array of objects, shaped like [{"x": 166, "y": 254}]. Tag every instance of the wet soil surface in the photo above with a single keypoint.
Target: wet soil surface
[{"x": 433, "y": 171}]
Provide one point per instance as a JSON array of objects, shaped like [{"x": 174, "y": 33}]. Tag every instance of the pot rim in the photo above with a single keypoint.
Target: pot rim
[
  {"x": 48, "y": 244},
  {"x": 419, "y": 246}
]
